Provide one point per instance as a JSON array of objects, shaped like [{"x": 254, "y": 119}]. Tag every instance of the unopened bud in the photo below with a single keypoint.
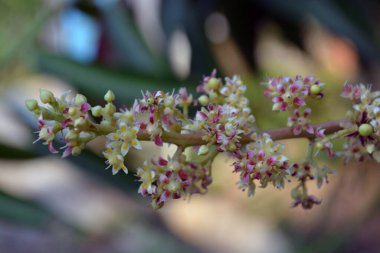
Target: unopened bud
[
  {"x": 315, "y": 89},
  {"x": 110, "y": 109},
  {"x": 231, "y": 147},
  {"x": 365, "y": 130},
  {"x": 97, "y": 111},
  {"x": 213, "y": 83},
  {"x": 57, "y": 127},
  {"x": 319, "y": 145},
  {"x": 31, "y": 104},
  {"x": 109, "y": 97},
  {"x": 76, "y": 151},
  {"x": 73, "y": 111},
  {"x": 203, "y": 100},
  {"x": 80, "y": 122},
  {"x": 203, "y": 150},
  {"x": 46, "y": 96},
  {"x": 71, "y": 136},
  {"x": 80, "y": 99}
]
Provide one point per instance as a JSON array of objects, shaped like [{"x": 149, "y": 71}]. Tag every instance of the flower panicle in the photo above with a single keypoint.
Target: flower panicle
[{"x": 222, "y": 123}]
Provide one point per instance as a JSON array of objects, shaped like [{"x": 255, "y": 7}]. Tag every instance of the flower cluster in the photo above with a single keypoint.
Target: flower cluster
[
  {"x": 64, "y": 116},
  {"x": 172, "y": 179},
  {"x": 261, "y": 160},
  {"x": 226, "y": 115},
  {"x": 290, "y": 94},
  {"x": 222, "y": 124},
  {"x": 362, "y": 127}
]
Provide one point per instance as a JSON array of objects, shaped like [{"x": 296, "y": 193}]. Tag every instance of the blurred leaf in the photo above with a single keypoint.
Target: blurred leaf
[
  {"x": 9, "y": 152},
  {"x": 94, "y": 81},
  {"x": 129, "y": 43},
  {"x": 330, "y": 16},
  {"x": 182, "y": 15},
  {"x": 93, "y": 165},
  {"x": 23, "y": 211}
]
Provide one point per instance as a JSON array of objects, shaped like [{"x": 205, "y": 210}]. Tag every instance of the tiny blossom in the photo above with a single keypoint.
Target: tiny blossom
[
  {"x": 363, "y": 123},
  {"x": 125, "y": 137},
  {"x": 300, "y": 121},
  {"x": 306, "y": 202},
  {"x": 322, "y": 142},
  {"x": 205, "y": 87},
  {"x": 352, "y": 91},
  {"x": 61, "y": 116},
  {"x": 171, "y": 179},
  {"x": 288, "y": 93},
  {"x": 261, "y": 161},
  {"x": 115, "y": 160}
]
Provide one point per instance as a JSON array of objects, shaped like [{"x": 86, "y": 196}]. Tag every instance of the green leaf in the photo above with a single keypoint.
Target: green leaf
[
  {"x": 94, "y": 81},
  {"x": 10, "y": 152},
  {"x": 128, "y": 42},
  {"x": 22, "y": 211}
]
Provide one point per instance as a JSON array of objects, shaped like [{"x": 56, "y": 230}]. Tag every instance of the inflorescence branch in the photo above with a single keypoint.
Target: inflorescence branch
[{"x": 223, "y": 123}]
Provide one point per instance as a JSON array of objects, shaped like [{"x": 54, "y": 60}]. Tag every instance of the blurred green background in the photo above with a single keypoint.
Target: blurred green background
[{"x": 52, "y": 205}]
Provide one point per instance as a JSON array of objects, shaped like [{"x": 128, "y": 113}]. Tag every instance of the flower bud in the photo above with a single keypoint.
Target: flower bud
[
  {"x": 203, "y": 150},
  {"x": 71, "y": 136},
  {"x": 365, "y": 130},
  {"x": 80, "y": 122},
  {"x": 46, "y": 96},
  {"x": 76, "y": 151},
  {"x": 110, "y": 109},
  {"x": 203, "y": 100},
  {"x": 109, "y": 97},
  {"x": 31, "y": 104},
  {"x": 319, "y": 145},
  {"x": 73, "y": 111},
  {"x": 80, "y": 99},
  {"x": 169, "y": 101},
  {"x": 213, "y": 83},
  {"x": 231, "y": 147},
  {"x": 57, "y": 127},
  {"x": 97, "y": 111},
  {"x": 315, "y": 89}
]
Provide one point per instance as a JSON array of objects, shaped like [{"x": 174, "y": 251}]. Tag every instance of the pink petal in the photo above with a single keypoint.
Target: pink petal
[
  {"x": 245, "y": 178},
  {"x": 143, "y": 126},
  {"x": 41, "y": 122},
  {"x": 307, "y": 112},
  {"x": 277, "y": 99},
  {"x": 250, "y": 166},
  {"x": 165, "y": 119},
  {"x": 65, "y": 123},
  {"x": 297, "y": 130},
  {"x": 298, "y": 101},
  {"x": 51, "y": 148},
  {"x": 281, "y": 88},
  {"x": 309, "y": 129},
  {"x": 67, "y": 152},
  {"x": 183, "y": 175},
  {"x": 164, "y": 196},
  {"x": 284, "y": 106},
  {"x": 201, "y": 116},
  {"x": 158, "y": 141},
  {"x": 271, "y": 160},
  {"x": 250, "y": 154},
  {"x": 294, "y": 87},
  {"x": 85, "y": 107},
  {"x": 260, "y": 155},
  {"x": 151, "y": 117},
  {"x": 162, "y": 161}
]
